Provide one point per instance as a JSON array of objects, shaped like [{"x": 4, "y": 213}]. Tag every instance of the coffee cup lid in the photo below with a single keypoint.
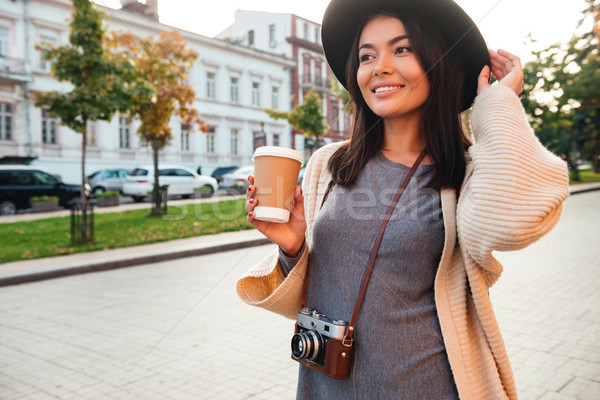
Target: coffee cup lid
[{"x": 279, "y": 152}]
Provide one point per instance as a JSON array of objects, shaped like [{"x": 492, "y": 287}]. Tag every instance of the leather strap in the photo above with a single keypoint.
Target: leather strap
[{"x": 348, "y": 338}]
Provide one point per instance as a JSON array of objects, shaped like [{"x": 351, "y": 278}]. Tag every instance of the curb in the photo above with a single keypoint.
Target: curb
[{"x": 60, "y": 272}]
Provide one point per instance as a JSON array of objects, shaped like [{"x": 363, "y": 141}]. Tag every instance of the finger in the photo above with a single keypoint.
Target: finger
[
  {"x": 483, "y": 80},
  {"x": 298, "y": 209},
  {"x": 251, "y": 179},
  {"x": 250, "y": 204},
  {"x": 250, "y": 192},
  {"x": 514, "y": 60}
]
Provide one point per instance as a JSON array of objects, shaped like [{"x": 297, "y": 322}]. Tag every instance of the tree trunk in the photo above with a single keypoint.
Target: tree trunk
[
  {"x": 573, "y": 158},
  {"x": 156, "y": 196},
  {"x": 596, "y": 163},
  {"x": 84, "y": 232}
]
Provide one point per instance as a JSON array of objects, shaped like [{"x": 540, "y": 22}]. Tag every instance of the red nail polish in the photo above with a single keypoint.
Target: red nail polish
[
  {"x": 251, "y": 201},
  {"x": 251, "y": 214},
  {"x": 249, "y": 188},
  {"x": 301, "y": 190}
]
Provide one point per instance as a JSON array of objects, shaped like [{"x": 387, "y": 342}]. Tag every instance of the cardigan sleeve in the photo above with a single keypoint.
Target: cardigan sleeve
[{"x": 514, "y": 187}]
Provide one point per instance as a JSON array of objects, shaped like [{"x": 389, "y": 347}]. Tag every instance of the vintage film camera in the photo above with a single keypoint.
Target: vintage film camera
[{"x": 318, "y": 343}]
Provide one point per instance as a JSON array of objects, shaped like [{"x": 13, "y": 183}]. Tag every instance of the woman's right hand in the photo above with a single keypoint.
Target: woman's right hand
[{"x": 289, "y": 236}]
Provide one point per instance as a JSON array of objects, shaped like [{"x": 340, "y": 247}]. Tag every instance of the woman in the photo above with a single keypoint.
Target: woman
[{"x": 426, "y": 328}]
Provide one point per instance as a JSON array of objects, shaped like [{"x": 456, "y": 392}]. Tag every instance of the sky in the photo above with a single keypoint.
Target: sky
[{"x": 504, "y": 24}]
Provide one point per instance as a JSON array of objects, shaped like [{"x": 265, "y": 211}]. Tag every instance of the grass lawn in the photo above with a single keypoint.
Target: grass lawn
[
  {"x": 52, "y": 237},
  {"x": 586, "y": 175}
]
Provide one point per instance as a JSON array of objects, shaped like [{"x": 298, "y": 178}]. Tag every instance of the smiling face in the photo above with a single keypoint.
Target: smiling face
[{"x": 389, "y": 76}]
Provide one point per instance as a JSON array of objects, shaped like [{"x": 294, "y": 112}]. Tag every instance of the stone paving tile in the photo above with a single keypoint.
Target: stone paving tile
[{"x": 176, "y": 330}]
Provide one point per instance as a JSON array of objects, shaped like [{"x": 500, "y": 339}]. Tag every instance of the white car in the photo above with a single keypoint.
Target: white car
[
  {"x": 237, "y": 180},
  {"x": 182, "y": 181}
]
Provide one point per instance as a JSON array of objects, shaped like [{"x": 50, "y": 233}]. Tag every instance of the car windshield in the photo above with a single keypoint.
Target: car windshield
[
  {"x": 139, "y": 172},
  {"x": 93, "y": 175}
]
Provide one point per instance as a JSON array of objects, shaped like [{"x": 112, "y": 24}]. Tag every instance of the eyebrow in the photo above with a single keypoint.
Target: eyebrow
[{"x": 390, "y": 42}]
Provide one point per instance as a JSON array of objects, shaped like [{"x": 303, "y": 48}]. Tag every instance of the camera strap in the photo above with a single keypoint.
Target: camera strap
[{"x": 348, "y": 338}]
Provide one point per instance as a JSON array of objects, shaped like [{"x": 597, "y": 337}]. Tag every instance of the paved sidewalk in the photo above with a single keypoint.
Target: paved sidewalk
[
  {"x": 54, "y": 267},
  {"x": 176, "y": 330}
]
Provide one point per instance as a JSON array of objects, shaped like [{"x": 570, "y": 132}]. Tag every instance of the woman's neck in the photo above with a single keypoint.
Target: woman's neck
[{"x": 402, "y": 140}]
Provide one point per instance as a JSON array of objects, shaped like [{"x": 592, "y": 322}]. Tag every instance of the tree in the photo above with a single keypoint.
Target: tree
[
  {"x": 343, "y": 95},
  {"x": 164, "y": 64},
  {"x": 306, "y": 117},
  {"x": 567, "y": 76},
  {"x": 102, "y": 84}
]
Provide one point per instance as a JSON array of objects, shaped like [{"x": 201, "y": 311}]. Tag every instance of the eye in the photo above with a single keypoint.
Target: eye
[
  {"x": 365, "y": 57},
  {"x": 402, "y": 50}
]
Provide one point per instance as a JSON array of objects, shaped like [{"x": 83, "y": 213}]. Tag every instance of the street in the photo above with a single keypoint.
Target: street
[{"x": 177, "y": 330}]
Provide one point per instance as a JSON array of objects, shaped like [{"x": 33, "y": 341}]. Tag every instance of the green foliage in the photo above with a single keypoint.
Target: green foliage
[
  {"x": 36, "y": 199},
  {"x": 567, "y": 77},
  {"x": 51, "y": 237},
  {"x": 307, "y": 117},
  {"x": 101, "y": 83},
  {"x": 342, "y": 95},
  {"x": 109, "y": 193}
]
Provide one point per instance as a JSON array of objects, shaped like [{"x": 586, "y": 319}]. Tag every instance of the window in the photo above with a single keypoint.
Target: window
[
  {"x": 275, "y": 139},
  {"x": 256, "y": 94},
  {"x": 210, "y": 140},
  {"x": 124, "y": 133},
  {"x": 306, "y": 77},
  {"x": 4, "y": 42},
  {"x": 272, "y": 35},
  {"x": 234, "y": 90},
  {"x": 46, "y": 65},
  {"x": 275, "y": 98},
  {"x": 317, "y": 35},
  {"x": 49, "y": 123},
  {"x": 91, "y": 133},
  {"x": 335, "y": 115},
  {"x": 318, "y": 77},
  {"x": 234, "y": 142},
  {"x": 5, "y": 121},
  {"x": 305, "y": 31},
  {"x": 210, "y": 85},
  {"x": 185, "y": 137},
  {"x": 250, "y": 37}
]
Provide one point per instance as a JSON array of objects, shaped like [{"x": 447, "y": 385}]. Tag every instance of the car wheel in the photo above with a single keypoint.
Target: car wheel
[
  {"x": 98, "y": 190},
  {"x": 138, "y": 199},
  {"x": 7, "y": 207}
]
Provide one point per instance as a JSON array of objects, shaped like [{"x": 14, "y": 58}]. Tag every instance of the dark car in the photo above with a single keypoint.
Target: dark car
[
  {"x": 19, "y": 183},
  {"x": 220, "y": 171}
]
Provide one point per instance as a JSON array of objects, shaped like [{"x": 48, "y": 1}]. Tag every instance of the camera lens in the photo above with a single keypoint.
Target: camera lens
[{"x": 307, "y": 345}]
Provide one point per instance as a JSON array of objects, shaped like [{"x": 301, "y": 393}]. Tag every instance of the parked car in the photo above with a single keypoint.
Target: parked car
[
  {"x": 181, "y": 180},
  {"x": 18, "y": 183},
  {"x": 105, "y": 180},
  {"x": 237, "y": 180},
  {"x": 220, "y": 171}
]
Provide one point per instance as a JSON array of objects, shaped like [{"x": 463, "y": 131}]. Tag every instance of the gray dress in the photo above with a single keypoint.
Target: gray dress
[{"x": 399, "y": 351}]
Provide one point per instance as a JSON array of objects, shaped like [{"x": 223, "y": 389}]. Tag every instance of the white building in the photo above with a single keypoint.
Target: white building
[
  {"x": 300, "y": 39},
  {"x": 233, "y": 85}
]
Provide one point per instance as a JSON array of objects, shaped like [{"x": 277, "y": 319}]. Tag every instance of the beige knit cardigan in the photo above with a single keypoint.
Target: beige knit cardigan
[{"x": 512, "y": 195}]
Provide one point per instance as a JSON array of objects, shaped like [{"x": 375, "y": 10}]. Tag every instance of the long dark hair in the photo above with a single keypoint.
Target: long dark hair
[{"x": 445, "y": 140}]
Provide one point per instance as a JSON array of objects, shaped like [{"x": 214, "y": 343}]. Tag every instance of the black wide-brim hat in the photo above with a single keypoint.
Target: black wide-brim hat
[{"x": 343, "y": 18}]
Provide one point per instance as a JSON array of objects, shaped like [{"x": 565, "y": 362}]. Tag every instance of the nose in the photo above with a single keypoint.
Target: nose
[{"x": 384, "y": 66}]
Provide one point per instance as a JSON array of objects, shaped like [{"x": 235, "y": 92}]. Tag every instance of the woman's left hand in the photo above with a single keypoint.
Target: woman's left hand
[{"x": 507, "y": 69}]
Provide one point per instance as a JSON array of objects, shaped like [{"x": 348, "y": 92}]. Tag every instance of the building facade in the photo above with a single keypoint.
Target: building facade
[
  {"x": 300, "y": 39},
  {"x": 233, "y": 84}
]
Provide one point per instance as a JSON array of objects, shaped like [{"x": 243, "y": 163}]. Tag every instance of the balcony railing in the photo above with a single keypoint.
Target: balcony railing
[{"x": 13, "y": 68}]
